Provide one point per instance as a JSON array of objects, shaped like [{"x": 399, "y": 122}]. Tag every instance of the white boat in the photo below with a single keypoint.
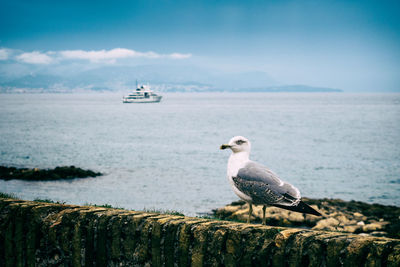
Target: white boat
[{"x": 143, "y": 94}]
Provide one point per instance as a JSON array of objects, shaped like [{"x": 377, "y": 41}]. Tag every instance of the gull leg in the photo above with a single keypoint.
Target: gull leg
[
  {"x": 264, "y": 221},
  {"x": 250, "y": 212}
]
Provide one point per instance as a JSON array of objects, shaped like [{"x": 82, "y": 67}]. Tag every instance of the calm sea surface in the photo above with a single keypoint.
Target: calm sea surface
[{"x": 166, "y": 155}]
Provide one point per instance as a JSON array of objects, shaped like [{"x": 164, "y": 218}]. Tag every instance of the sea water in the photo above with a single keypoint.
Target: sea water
[{"x": 166, "y": 156}]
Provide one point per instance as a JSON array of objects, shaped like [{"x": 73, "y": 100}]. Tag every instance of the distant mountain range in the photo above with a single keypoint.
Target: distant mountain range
[
  {"x": 161, "y": 78},
  {"x": 289, "y": 88}
]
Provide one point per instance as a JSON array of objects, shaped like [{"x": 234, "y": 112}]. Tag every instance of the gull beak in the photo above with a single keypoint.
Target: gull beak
[{"x": 224, "y": 147}]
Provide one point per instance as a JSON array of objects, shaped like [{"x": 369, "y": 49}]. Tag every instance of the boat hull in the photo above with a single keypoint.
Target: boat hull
[{"x": 154, "y": 99}]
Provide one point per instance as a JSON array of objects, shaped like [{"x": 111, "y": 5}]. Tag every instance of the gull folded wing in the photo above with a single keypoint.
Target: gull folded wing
[{"x": 264, "y": 186}]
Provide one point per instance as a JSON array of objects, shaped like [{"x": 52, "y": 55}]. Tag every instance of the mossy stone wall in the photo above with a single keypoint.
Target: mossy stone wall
[{"x": 41, "y": 234}]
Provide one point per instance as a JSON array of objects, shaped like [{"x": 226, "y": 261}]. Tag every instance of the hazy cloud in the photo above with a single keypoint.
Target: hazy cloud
[
  {"x": 34, "y": 57},
  {"x": 179, "y": 56},
  {"x": 94, "y": 56},
  {"x": 4, "y": 54},
  {"x": 116, "y": 53},
  {"x": 100, "y": 55}
]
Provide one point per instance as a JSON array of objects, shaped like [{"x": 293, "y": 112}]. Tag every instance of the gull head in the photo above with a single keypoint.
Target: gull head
[{"x": 238, "y": 144}]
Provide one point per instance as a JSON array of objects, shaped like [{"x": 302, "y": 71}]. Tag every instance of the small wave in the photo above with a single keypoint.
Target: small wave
[{"x": 326, "y": 168}]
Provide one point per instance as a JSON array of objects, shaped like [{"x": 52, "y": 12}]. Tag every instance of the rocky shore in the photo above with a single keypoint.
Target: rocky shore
[
  {"x": 35, "y": 174},
  {"x": 337, "y": 215}
]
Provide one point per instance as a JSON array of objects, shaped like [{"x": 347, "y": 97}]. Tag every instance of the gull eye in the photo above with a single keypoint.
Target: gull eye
[{"x": 239, "y": 142}]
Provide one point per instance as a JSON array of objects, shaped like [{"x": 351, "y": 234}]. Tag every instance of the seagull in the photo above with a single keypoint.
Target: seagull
[{"x": 256, "y": 184}]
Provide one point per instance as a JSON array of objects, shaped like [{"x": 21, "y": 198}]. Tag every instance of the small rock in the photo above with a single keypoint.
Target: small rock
[
  {"x": 361, "y": 223},
  {"x": 241, "y": 214},
  {"x": 311, "y": 219},
  {"x": 372, "y": 227},
  {"x": 334, "y": 214},
  {"x": 326, "y": 224},
  {"x": 351, "y": 228},
  {"x": 342, "y": 219},
  {"x": 359, "y": 216},
  {"x": 379, "y": 233},
  {"x": 231, "y": 209},
  {"x": 296, "y": 217},
  {"x": 363, "y": 234},
  {"x": 352, "y": 222}
]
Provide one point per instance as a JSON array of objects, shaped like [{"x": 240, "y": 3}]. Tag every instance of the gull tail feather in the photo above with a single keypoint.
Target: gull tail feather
[{"x": 301, "y": 207}]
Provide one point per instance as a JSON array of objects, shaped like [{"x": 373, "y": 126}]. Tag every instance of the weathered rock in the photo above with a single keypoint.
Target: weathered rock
[
  {"x": 375, "y": 226},
  {"x": 351, "y": 228},
  {"x": 343, "y": 220},
  {"x": 327, "y": 224},
  {"x": 42, "y": 234},
  {"x": 378, "y": 233},
  {"x": 358, "y": 216}
]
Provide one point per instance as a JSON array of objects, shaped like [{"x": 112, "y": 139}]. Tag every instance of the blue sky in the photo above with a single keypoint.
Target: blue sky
[{"x": 351, "y": 45}]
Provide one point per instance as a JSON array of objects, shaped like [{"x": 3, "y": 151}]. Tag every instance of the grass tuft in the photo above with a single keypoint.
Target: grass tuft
[
  {"x": 107, "y": 206},
  {"x": 46, "y": 200},
  {"x": 170, "y": 212},
  {"x": 8, "y": 195}
]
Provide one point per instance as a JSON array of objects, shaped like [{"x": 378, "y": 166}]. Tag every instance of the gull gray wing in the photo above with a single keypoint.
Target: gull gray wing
[{"x": 264, "y": 186}]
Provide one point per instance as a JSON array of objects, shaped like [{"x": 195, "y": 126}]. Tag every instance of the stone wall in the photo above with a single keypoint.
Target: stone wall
[{"x": 41, "y": 234}]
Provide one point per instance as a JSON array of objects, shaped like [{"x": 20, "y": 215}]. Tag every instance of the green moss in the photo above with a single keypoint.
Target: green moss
[
  {"x": 115, "y": 244},
  {"x": 19, "y": 237},
  {"x": 199, "y": 245},
  {"x": 170, "y": 234},
  {"x": 101, "y": 241},
  {"x": 143, "y": 248},
  {"x": 31, "y": 239},
  {"x": 9, "y": 248},
  {"x": 76, "y": 244},
  {"x": 184, "y": 244},
  {"x": 156, "y": 243}
]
